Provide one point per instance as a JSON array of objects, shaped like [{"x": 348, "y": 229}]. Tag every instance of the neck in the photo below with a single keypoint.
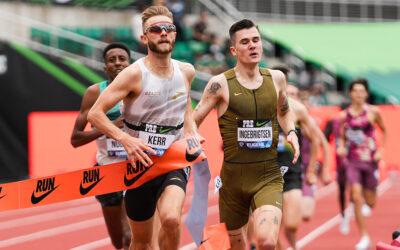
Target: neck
[
  {"x": 357, "y": 106},
  {"x": 247, "y": 71},
  {"x": 160, "y": 63}
]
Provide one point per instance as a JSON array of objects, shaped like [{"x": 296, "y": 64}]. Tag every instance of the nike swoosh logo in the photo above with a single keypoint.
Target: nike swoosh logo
[
  {"x": 36, "y": 200},
  {"x": 192, "y": 157},
  {"x": 236, "y": 94},
  {"x": 162, "y": 131},
  {"x": 2, "y": 197},
  {"x": 130, "y": 182},
  {"x": 177, "y": 95},
  {"x": 259, "y": 124},
  {"x": 86, "y": 190},
  {"x": 204, "y": 241}
]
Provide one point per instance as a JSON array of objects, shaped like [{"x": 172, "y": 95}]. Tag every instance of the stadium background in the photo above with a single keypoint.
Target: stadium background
[{"x": 50, "y": 51}]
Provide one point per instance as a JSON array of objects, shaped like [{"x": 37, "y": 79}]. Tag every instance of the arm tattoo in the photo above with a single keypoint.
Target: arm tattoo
[
  {"x": 276, "y": 221},
  {"x": 283, "y": 103},
  {"x": 262, "y": 221},
  {"x": 215, "y": 86}
]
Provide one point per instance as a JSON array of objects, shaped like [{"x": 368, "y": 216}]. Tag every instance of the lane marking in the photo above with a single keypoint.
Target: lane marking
[
  {"x": 49, "y": 216},
  {"x": 94, "y": 244},
  {"x": 382, "y": 188},
  {"x": 52, "y": 232},
  {"x": 61, "y": 205}
]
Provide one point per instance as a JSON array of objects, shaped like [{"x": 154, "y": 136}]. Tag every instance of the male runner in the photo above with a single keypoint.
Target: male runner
[
  {"x": 116, "y": 57},
  {"x": 308, "y": 200},
  {"x": 250, "y": 101},
  {"x": 156, "y": 104},
  {"x": 363, "y": 155},
  {"x": 292, "y": 173}
]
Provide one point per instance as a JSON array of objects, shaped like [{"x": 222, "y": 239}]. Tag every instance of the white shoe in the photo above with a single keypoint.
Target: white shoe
[
  {"x": 345, "y": 225},
  {"x": 366, "y": 210},
  {"x": 364, "y": 243},
  {"x": 351, "y": 210}
]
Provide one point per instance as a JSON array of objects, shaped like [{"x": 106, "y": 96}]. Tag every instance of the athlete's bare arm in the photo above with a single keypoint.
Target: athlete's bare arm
[
  {"x": 126, "y": 86},
  {"x": 79, "y": 136},
  {"x": 341, "y": 151},
  {"x": 190, "y": 127},
  {"x": 379, "y": 121},
  {"x": 326, "y": 179},
  {"x": 309, "y": 126},
  {"x": 216, "y": 94},
  {"x": 285, "y": 117}
]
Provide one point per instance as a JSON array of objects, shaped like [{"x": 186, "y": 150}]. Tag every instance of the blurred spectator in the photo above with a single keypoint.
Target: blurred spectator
[
  {"x": 200, "y": 32},
  {"x": 108, "y": 38},
  {"x": 307, "y": 78},
  {"x": 216, "y": 47},
  {"x": 317, "y": 95},
  {"x": 137, "y": 29},
  {"x": 177, "y": 7}
]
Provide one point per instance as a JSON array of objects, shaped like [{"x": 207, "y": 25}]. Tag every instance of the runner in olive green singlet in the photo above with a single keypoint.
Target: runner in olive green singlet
[
  {"x": 249, "y": 130},
  {"x": 249, "y": 101}
]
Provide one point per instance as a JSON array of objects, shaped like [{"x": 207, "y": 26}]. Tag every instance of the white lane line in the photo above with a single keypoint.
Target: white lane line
[
  {"x": 94, "y": 244},
  {"x": 49, "y": 216},
  {"x": 383, "y": 187},
  {"x": 61, "y": 205},
  {"x": 52, "y": 232}
]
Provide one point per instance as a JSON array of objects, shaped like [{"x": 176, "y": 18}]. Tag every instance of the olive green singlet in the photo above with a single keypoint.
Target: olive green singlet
[{"x": 258, "y": 107}]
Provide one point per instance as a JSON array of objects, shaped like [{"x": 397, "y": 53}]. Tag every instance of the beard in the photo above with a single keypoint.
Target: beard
[{"x": 154, "y": 47}]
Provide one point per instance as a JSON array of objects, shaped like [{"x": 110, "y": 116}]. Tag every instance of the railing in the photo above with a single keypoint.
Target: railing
[
  {"x": 320, "y": 10},
  {"x": 16, "y": 28}
]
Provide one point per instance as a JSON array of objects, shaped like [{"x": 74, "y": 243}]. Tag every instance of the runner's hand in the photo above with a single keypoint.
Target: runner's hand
[
  {"x": 326, "y": 178},
  {"x": 377, "y": 155},
  {"x": 135, "y": 148},
  {"x": 197, "y": 136},
  {"x": 341, "y": 151},
  {"x": 311, "y": 178},
  {"x": 292, "y": 140}
]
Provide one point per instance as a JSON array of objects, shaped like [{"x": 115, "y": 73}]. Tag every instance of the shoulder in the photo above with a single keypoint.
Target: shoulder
[
  {"x": 298, "y": 107},
  {"x": 278, "y": 77},
  {"x": 93, "y": 90},
  {"x": 218, "y": 79},
  {"x": 373, "y": 108},
  {"x": 186, "y": 68},
  {"x": 133, "y": 72}
]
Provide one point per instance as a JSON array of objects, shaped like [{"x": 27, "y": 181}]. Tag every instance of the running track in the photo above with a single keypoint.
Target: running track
[{"x": 79, "y": 224}]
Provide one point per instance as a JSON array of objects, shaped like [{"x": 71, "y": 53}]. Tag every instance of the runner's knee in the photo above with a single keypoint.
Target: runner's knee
[
  {"x": 170, "y": 223},
  {"x": 266, "y": 243}
]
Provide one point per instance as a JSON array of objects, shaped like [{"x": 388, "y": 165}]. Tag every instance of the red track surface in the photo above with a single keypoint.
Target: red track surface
[{"x": 77, "y": 223}]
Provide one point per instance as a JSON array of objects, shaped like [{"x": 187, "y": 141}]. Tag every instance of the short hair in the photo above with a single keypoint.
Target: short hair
[
  {"x": 361, "y": 81},
  {"x": 242, "y": 24},
  {"x": 285, "y": 70},
  {"x": 114, "y": 46},
  {"x": 155, "y": 11}
]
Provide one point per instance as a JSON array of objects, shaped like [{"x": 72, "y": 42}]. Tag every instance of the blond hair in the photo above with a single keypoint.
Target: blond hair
[{"x": 155, "y": 11}]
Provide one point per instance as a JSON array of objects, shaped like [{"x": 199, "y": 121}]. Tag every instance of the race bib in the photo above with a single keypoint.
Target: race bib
[
  {"x": 281, "y": 142},
  {"x": 355, "y": 135},
  {"x": 158, "y": 142},
  {"x": 254, "y": 134},
  {"x": 114, "y": 148}
]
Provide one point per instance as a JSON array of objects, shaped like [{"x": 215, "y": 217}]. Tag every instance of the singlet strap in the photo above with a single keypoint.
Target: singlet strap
[
  {"x": 230, "y": 74},
  {"x": 264, "y": 72},
  {"x": 103, "y": 86}
]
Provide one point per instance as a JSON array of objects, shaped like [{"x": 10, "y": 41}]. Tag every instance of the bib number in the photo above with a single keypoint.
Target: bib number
[
  {"x": 254, "y": 134},
  {"x": 355, "y": 135},
  {"x": 114, "y": 148},
  {"x": 158, "y": 142}
]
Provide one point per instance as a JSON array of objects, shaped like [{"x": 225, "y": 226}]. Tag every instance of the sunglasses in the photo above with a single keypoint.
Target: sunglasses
[{"x": 158, "y": 27}]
